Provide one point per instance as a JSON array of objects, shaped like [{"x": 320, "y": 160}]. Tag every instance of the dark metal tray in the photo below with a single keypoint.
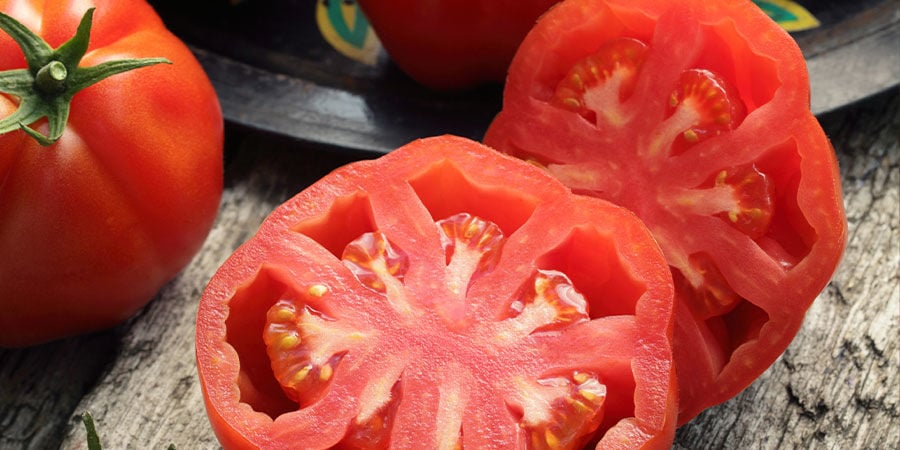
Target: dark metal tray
[{"x": 274, "y": 72}]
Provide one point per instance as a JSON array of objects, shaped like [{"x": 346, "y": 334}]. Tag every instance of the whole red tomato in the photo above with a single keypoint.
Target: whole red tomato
[
  {"x": 93, "y": 225},
  {"x": 453, "y": 44},
  {"x": 694, "y": 115},
  {"x": 442, "y": 296}
]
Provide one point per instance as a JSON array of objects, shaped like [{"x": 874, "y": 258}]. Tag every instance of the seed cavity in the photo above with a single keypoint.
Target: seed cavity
[
  {"x": 375, "y": 261},
  {"x": 741, "y": 196},
  {"x": 548, "y": 301},
  {"x": 596, "y": 86},
  {"x": 472, "y": 247},
  {"x": 559, "y": 412},
  {"x": 702, "y": 105},
  {"x": 380, "y": 266},
  {"x": 713, "y": 295},
  {"x": 305, "y": 347}
]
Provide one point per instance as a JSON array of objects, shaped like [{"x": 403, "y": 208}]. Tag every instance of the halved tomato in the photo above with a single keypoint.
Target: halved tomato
[
  {"x": 442, "y": 296},
  {"x": 695, "y": 115}
]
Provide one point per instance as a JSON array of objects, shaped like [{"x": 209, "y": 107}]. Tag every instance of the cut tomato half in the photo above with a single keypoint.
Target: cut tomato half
[
  {"x": 707, "y": 136},
  {"x": 443, "y": 296}
]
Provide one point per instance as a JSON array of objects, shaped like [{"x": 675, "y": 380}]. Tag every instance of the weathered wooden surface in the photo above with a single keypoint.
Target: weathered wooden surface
[{"x": 835, "y": 387}]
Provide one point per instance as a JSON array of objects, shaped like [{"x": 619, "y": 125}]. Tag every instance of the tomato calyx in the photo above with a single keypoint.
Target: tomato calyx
[{"x": 53, "y": 77}]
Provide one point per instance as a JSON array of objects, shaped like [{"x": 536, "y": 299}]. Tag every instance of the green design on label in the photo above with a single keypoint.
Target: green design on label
[
  {"x": 354, "y": 30},
  {"x": 344, "y": 26},
  {"x": 791, "y": 16}
]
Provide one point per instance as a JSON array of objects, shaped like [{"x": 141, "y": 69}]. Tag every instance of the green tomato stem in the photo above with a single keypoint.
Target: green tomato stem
[{"x": 53, "y": 77}]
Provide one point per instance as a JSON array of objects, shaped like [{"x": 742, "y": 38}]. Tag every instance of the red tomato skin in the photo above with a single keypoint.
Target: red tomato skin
[
  {"x": 453, "y": 44},
  {"x": 236, "y": 406},
  {"x": 95, "y": 224},
  {"x": 777, "y": 97}
]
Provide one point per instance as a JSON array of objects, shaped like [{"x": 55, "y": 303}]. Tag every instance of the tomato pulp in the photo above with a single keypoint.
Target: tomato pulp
[
  {"x": 694, "y": 115},
  {"x": 441, "y": 296}
]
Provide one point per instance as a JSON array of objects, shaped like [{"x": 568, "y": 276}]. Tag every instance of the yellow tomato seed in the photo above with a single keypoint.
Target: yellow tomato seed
[
  {"x": 326, "y": 372},
  {"x": 580, "y": 377},
  {"x": 691, "y": 136},
  {"x": 551, "y": 439},
  {"x": 580, "y": 406},
  {"x": 301, "y": 375},
  {"x": 289, "y": 341},
  {"x": 318, "y": 290},
  {"x": 284, "y": 314},
  {"x": 591, "y": 396}
]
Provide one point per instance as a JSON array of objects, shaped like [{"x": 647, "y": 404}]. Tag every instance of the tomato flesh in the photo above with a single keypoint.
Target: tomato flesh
[
  {"x": 306, "y": 347},
  {"x": 706, "y": 134},
  {"x": 474, "y": 303}
]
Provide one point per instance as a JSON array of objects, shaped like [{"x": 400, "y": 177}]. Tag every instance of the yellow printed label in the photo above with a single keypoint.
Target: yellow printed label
[
  {"x": 790, "y": 15},
  {"x": 345, "y": 28}
]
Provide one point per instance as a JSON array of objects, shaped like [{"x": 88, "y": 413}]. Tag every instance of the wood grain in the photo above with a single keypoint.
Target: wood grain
[{"x": 835, "y": 387}]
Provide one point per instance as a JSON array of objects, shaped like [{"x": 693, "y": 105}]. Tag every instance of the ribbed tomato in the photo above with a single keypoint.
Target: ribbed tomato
[
  {"x": 442, "y": 296},
  {"x": 125, "y": 183},
  {"x": 694, "y": 115}
]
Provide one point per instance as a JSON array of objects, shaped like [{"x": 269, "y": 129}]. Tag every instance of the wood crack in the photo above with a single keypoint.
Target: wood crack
[{"x": 814, "y": 412}]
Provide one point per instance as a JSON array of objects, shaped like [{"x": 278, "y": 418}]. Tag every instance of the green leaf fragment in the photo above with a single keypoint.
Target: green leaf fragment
[{"x": 93, "y": 440}]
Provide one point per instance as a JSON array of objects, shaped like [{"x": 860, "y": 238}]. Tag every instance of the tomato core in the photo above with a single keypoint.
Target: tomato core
[{"x": 306, "y": 346}]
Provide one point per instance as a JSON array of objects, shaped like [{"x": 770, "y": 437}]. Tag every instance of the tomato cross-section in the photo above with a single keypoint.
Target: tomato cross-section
[
  {"x": 699, "y": 123},
  {"x": 443, "y": 296}
]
